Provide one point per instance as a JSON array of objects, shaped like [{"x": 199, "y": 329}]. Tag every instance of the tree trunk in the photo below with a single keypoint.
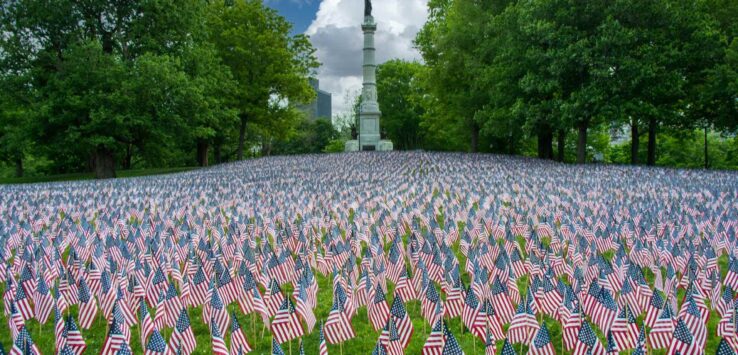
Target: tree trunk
[
  {"x": 635, "y": 141},
  {"x": 651, "y": 142},
  {"x": 266, "y": 148},
  {"x": 707, "y": 157},
  {"x": 241, "y": 137},
  {"x": 561, "y": 145},
  {"x": 103, "y": 163},
  {"x": 127, "y": 159},
  {"x": 202, "y": 152},
  {"x": 545, "y": 143},
  {"x": 511, "y": 145},
  {"x": 582, "y": 142},
  {"x": 474, "y": 138},
  {"x": 218, "y": 153},
  {"x": 19, "y": 166}
]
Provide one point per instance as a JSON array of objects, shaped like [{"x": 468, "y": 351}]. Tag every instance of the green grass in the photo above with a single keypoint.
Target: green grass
[{"x": 90, "y": 176}]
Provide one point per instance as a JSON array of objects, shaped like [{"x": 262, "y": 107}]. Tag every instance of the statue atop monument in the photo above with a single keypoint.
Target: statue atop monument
[{"x": 367, "y": 8}]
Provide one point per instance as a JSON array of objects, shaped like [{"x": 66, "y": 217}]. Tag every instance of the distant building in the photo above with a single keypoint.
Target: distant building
[{"x": 321, "y": 107}]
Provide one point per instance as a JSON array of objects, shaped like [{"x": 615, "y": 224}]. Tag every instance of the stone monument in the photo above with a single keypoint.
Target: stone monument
[{"x": 369, "y": 114}]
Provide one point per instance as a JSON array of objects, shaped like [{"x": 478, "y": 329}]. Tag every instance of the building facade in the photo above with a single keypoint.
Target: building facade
[{"x": 321, "y": 107}]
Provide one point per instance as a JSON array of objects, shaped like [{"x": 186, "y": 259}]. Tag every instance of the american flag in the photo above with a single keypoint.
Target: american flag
[
  {"x": 22, "y": 304},
  {"x": 654, "y": 308},
  {"x": 660, "y": 335},
  {"x": 322, "y": 346},
  {"x": 156, "y": 345},
  {"x": 73, "y": 336},
  {"x": 239, "y": 345},
  {"x": 126, "y": 350},
  {"x": 42, "y": 301},
  {"x": 683, "y": 341},
  {"x": 523, "y": 325},
  {"x": 146, "y": 324},
  {"x": 15, "y": 322},
  {"x": 304, "y": 309},
  {"x": 274, "y": 297},
  {"x": 338, "y": 326},
  {"x": 404, "y": 288},
  {"x": 23, "y": 344},
  {"x": 390, "y": 339},
  {"x": 183, "y": 338},
  {"x": 450, "y": 346},
  {"x": 724, "y": 348},
  {"x": 487, "y": 320},
  {"x": 471, "y": 309},
  {"x": 161, "y": 312},
  {"x": 87, "y": 305},
  {"x": 542, "y": 342},
  {"x": 402, "y": 320},
  {"x": 59, "y": 327},
  {"x": 114, "y": 340},
  {"x": 587, "y": 342},
  {"x": 612, "y": 344},
  {"x": 377, "y": 308},
  {"x": 219, "y": 346},
  {"x": 501, "y": 301},
  {"x": 379, "y": 349},
  {"x": 725, "y": 302},
  {"x": 624, "y": 329},
  {"x": 507, "y": 348},
  {"x": 276, "y": 349},
  {"x": 172, "y": 306},
  {"x": 490, "y": 346},
  {"x": 434, "y": 344},
  {"x": 286, "y": 325},
  {"x": 216, "y": 311}
]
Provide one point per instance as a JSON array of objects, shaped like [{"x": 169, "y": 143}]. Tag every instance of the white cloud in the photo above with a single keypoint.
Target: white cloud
[{"x": 336, "y": 34}]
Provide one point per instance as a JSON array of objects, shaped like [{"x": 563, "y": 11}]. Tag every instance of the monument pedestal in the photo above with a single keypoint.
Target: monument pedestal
[
  {"x": 351, "y": 146},
  {"x": 385, "y": 146}
]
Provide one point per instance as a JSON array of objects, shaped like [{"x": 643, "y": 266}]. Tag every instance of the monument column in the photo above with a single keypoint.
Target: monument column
[{"x": 369, "y": 114}]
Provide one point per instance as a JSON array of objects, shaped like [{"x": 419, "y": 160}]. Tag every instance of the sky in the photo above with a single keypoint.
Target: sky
[{"x": 334, "y": 27}]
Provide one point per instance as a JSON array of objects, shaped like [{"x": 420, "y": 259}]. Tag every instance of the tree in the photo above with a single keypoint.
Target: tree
[
  {"x": 270, "y": 67},
  {"x": 397, "y": 85},
  {"x": 109, "y": 75}
]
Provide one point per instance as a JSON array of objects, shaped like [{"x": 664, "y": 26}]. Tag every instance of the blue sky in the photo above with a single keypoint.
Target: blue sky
[
  {"x": 300, "y": 12},
  {"x": 334, "y": 27}
]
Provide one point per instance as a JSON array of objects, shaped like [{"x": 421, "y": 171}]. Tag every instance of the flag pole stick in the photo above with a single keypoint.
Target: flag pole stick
[
  {"x": 290, "y": 346},
  {"x": 474, "y": 341}
]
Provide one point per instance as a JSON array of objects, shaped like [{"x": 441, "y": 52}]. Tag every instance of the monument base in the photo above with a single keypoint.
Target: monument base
[
  {"x": 351, "y": 146},
  {"x": 382, "y": 146},
  {"x": 385, "y": 146}
]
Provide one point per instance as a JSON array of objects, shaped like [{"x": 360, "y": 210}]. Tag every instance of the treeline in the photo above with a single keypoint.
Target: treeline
[
  {"x": 625, "y": 81},
  {"x": 99, "y": 85}
]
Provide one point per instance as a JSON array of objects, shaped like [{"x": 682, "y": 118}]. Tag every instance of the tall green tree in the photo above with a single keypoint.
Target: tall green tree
[
  {"x": 398, "y": 88},
  {"x": 270, "y": 66}
]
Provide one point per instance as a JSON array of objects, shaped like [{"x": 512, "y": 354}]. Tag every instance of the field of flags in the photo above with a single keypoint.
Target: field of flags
[{"x": 374, "y": 253}]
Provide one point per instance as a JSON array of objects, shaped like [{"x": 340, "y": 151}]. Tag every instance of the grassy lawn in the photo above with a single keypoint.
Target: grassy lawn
[{"x": 90, "y": 176}]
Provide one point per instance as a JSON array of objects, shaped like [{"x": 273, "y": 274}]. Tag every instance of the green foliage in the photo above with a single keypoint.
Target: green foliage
[
  {"x": 97, "y": 84},
  {"x": 270, "y": 67},
  {"x": 685, "y": 149},
  {"x": 503, "y": 72},
  {"x": 398, "y": 97},
  {"x": 309, "y": 137},
  {"x": 335, "y": 146}
]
